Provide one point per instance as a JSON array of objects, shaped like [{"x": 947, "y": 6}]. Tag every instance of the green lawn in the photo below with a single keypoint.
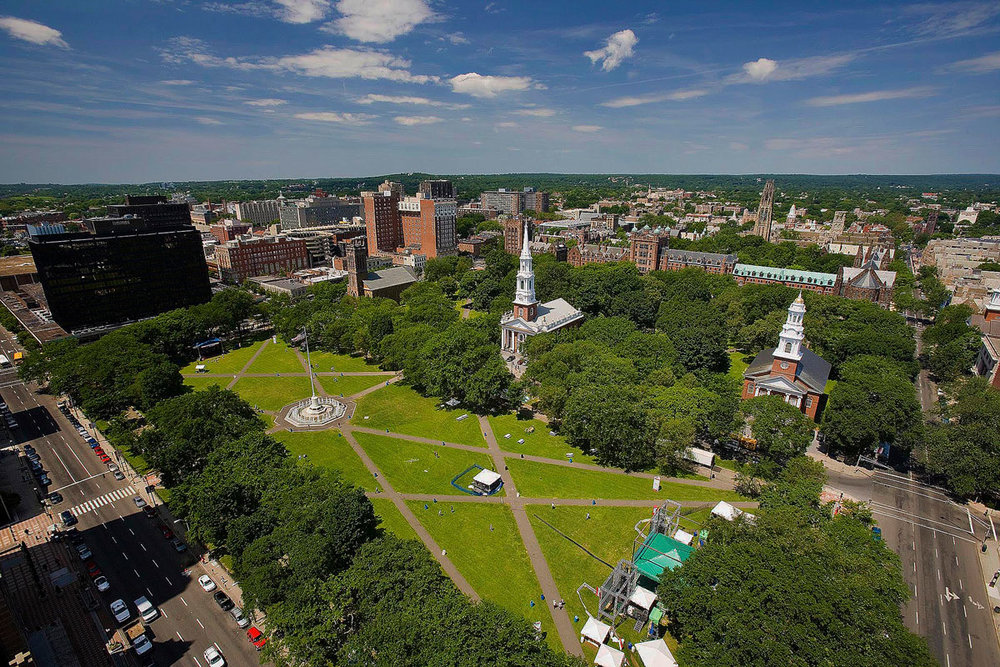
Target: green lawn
[
  {"x": 737, "y": 366},
  {"x": 543, "y": 480},
  {"x": 349, "y": 385},
  {"x": 539, "y": 443},
  {"x": 402, "y": 410},
  {"x": 411, "y": 467},
  {"x": 201, "y": 383},
  {"x": 277, "y": 358},
  {"x": 608, "y": 534},
  {"x": 228, "y": 363},
  {"x": 494, "y": 562},
  {"x": 272, "y": 393},
  {"x": 324, "y": 362},
  {"x": 392, "y": 520},
  {"x": 329, "y": 449}
]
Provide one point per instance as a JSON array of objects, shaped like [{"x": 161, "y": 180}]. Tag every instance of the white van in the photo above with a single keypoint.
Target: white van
[{"x": 146, "y": 610}]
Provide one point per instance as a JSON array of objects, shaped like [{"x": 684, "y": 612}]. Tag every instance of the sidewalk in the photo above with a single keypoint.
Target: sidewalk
[{"x": 989, "y": 561}]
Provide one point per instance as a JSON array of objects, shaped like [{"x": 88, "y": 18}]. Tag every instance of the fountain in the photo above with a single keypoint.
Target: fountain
[{"x": 315, "y": 410}]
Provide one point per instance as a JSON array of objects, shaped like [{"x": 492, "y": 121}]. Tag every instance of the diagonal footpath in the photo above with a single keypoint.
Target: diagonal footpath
[
  {"x": 237, "y": 376},
  {"x": 393, "y": 495},
  {"x": 567, "y": 634}
]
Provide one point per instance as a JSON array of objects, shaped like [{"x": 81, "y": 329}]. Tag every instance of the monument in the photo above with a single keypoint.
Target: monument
[{"x": 315, "y": 410}]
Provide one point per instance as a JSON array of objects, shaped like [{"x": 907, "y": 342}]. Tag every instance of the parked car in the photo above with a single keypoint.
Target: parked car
[
  {"x": 214, "y": 657},
  {"x": 139, "y": 502},
  {"x": 112, "y": 467},
  {"x": 120, "y": 611},
  {"x": 206, "y": 583},
  {"x": 93, "y": 570},
  {"x": 102, "y": 583},
  {"x": 256, "y": 637},
  {"x": 54, "y": 498},
  {"x": 147, "y": 611},
  {"x": 105, "y": 458},
  {"x": 33, "y": 457},
  {"x": 179, "y": 545},
  {"x": 149, "y": 511},
  {"x": 238, "y": 616},
  {"x": 223, "y": 600},
  {"x": 117, "y": 474},
  {"x": 167, "y": 533},
  {"x": 141, "y": 644},
  {"x": 98, "y": 451},
  {"x": 44, "y": 480},
  {"x": 68, "y": 519},
  {"x": 84, "y": 551},
  {"x": 28, "y": 449}
]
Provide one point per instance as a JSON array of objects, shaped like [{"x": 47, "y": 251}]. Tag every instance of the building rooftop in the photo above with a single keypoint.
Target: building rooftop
[
  {"x": 391, "y": 277},
  {"x": 813, "y": 370},
  {"x": 785, "y": 275},
  {"x": 16, "y": 265}
]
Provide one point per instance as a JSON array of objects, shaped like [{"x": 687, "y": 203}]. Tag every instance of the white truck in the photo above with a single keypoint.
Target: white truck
[{"x": 147, "y": 612}]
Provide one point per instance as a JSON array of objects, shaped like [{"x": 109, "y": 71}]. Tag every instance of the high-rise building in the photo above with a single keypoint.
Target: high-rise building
[
  {"x": 314, "y": 210},
  {"x": 515, "y": 202},
  {"x": 437, "y": 189},
  {"x": 430, "y": 225},
  {"x": 392, "y": 186},
  {"x": 382, "y": 223},
  {"x": 764, "y": 211},
  {"x": 261, "y": 213},
  {"x": 144, "y": 259},
  {"x": 247, "y": 257},
  {"x": 535, "y": 201},
  {"x": 513, "y": 231}
]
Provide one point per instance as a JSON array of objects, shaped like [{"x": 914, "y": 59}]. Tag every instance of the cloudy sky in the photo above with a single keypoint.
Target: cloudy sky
[{"x": 144, "y": 90}]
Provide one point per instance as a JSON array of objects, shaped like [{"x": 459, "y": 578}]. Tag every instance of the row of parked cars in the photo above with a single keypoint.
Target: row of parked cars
[
  {"x": 6, "y": 415},
  {"x": 37, "y": 469},
  {"x": 225, "y": 603}
]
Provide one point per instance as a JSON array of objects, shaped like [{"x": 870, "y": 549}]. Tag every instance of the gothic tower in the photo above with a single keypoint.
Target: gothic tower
[{"x": 763, "y": 225}]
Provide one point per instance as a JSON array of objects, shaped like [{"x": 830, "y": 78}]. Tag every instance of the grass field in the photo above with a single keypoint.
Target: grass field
[
  {"x": 349, "y": 385},
  {"x": 494, "y": 562},
  {"x": 402, "y": 410},
  {"x": 272, "y": 393},
  {"x": 392, "y": 520},
  {"x": 737, "y": 365},
  {"x": 277, "y": 358},
  {"x": 228, "y": 363},
  {"x": 539, "y": 443},
  {"x": 200, "y": 383},
  {"x": 543, "y": 480},
  {"x": 411, "y": 467},
  {"x": 324, "y": 362},
  {"x": 329, "y": 449}
]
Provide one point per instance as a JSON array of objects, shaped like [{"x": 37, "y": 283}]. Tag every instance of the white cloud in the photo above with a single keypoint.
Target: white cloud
[
  {"x": 373, "y": 98},
  {"x": 540, "y": 112},
  {"x": 177, "y": 82},
  {"x": 32, "y": 31},
  {"x": 337, "y": 117},
  {"x": 379, "y": 20},
  {"x": 760, "y": 69},
  {"x": 874, "y": 96},
  {"x": 507, "y": 123},
  {"x": 617, "y": 48},
  {"x": 819, "y": 146},
  {"x": 417, "y": 120},
  {"x": 479, "y": 85},
  {"x": 587, "y": 128},
  {"x": 953, "y": 19},
  {"x": 676, "y": 96},
  {"x": 266, "y": 102},
  {"x": 988, "y": 63},
  {"x": 302, "y": 11},
  {"x": 204, "y": 120},
  {"x": 456, "y": 38}
]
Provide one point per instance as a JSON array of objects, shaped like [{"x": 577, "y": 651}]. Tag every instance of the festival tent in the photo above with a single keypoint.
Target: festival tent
[
  {"x": 594, "y": 631},
  {"x": 655, "y": 654},
  {"x": 609, "y": 657}
]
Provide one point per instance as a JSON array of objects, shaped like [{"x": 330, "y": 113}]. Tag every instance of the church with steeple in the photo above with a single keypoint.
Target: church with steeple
[
  {"x": 793, "y": 372},
  {"x": 530, "y": 318}
]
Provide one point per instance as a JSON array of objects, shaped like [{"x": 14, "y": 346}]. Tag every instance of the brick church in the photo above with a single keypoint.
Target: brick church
[{"x": 790, "y": 370}]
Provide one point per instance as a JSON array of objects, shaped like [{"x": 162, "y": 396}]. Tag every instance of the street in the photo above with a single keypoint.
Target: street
[
  {"x": 938, "y": 544},
  {"x": 127, "y": 546}
]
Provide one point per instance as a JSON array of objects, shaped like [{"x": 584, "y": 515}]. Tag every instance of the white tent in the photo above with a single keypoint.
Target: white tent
[
  {"x": 700, "y": 456},
  {"x": 609, "y": 657},
  {"x": 655, "y": 654},
  {"x": 595, "y": 631},
  {"x": 487, "y": 477},
  {"x": 726, "y": 511},
  {"x": 643, "y": 598},
  {"x": 684, "y": 537}
]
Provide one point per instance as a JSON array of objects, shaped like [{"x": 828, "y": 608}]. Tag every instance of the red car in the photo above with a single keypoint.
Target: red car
[
  {"x": 92, "y": 569},
  {"x": 105, "y": 458},
  {"x": 98, "y": 451},
  {"x": 256, "y": 637},
  {"x": 167, "y": 533}
]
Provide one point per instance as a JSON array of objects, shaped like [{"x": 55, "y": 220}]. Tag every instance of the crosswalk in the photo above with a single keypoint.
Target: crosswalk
[{"x": 100, "y": 501}]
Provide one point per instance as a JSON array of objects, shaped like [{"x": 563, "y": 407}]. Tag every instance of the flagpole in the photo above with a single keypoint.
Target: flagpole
[{"x": 312, "y": 386}]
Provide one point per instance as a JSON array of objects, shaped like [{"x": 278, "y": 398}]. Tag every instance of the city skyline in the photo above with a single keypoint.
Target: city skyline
[{"x": 314, "y": 88}]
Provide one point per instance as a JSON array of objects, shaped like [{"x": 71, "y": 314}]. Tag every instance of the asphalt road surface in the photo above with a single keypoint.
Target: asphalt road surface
[
  {"x": 938, "y": 543},
  {"x": 129, "y": 548}
]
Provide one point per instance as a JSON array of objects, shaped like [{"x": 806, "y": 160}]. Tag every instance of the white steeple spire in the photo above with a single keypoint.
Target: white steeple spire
[
  {"x": 792, "y": 333},
  {"x": 525, "y": 295}
]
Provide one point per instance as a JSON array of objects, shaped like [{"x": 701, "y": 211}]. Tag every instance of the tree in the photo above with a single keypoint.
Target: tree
[
  {"x": 781, "y": 430},
  {"x": 614, "y": 422}
]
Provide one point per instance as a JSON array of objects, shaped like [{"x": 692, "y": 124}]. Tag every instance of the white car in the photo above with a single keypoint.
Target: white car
[
  {"x": 142, "y": 644},
  {"x": 206, "y": 583},
  {"x": 214, "y": 657},
  {"x": 139, "y": 502},
  {"x": 120, "y": 611},
  {"x": 102, "y": 583}
]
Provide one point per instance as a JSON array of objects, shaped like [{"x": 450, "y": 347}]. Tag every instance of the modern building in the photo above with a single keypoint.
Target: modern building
[
  {"x": 429, "y": 225},
  {"x": 823, "y": 283},
  {"x": 260, "y": 213},
  {"x": 506, "y": 201},
  {"x": 17, "y": 270},
  {"x": 315, "y": 210},
  {"x": 247, "y": 257},
  {"x": 437, "y": 189},
  {"x": 382, "y": 223},
  {"x": 323, "y": 242},
  {"x": 795, "y": 373},
  {"x": 144, "y": 259},
  {"x": 535, "y": 201},
  {"x": 529, "y": 318}
]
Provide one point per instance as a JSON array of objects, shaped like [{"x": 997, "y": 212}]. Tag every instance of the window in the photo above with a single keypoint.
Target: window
[
  {"x": 788, "y": 347},
  {"x": 809, "y": 401}
]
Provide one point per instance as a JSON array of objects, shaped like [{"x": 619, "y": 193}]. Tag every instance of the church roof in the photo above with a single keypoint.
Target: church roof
[
  {"x": 390, "y": 277},
  {"x": 550, "y": 316},
  {"x": 813, "y": 370},
  {"x": 868, "y": 277}
]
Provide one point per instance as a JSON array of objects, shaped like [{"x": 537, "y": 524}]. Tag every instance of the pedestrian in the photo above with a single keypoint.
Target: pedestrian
[
  {"x": 553, "y": 505},
  {"x": 588, "y": 515},
  {"x": 491, "y": 527}
]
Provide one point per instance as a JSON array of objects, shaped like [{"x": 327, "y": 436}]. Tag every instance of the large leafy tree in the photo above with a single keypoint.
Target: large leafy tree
[
  {"x": 780, "y": 429},
  {"x": 615, "y": 422}
]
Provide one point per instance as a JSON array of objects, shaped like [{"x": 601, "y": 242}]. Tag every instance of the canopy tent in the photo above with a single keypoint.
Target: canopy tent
[
  {"x": 595, "y": 631},
  {"x": 683, "y": 537},
  {"x": 609, "y": 657},
  {"x": 659, "y": 553},
  {"x": 486, "y": 481},
  {"x": 655, "y": 654},
  {"x": 700, "y": 456},
  {"x": 730, "y": 513},
  {"x": 643, "y": 598}
]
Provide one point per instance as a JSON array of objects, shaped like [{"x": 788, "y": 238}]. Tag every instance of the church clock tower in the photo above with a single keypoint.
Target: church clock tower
[
  {"x": 788, "y": 354},
  {"x": 525, "y": 303}
]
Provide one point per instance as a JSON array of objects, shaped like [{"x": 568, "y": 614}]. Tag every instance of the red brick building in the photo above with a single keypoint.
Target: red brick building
[
  {"x": 382, "y": 223},
  {"x": 513, "y": 232},
  {"x": 225, "y": 232},
  {"x": 791, "y": 371},
  {"x": 579, "y": 255},
  {"x": 429, "y": 224},
  {"x": 647, "y": 249},
  {"x": 243, "y": 258}
]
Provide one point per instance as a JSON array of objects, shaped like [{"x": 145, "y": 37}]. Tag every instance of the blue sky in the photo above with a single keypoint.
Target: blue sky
[{"x": 145, "y": 90}]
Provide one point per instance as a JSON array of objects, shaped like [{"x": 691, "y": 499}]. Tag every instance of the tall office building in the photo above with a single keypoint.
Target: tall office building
[
  {"x": 430, "y": 225},
  {"x": 382, "y": 223},
  {"x": 313, "y": 211},
  {"x": 437, "y": 189},
  {"x": 143, "y": 259},
  {"x": 515, "y": 202}
]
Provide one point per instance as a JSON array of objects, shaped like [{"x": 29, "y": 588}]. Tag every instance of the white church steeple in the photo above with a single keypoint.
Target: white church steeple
[
  {"x": 792, "y": 333},
  {"x": 525, "y": 295}
]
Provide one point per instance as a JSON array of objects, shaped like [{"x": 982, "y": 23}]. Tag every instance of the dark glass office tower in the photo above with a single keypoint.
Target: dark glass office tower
[{"x": 145, "y": 260}]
